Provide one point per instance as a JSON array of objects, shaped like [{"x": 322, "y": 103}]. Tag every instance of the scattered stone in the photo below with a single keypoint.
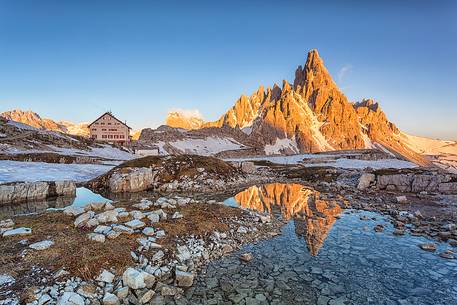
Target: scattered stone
[
  {"x": 18, "y": 232},
  {"x": 6, "y": 279},
  {"x": 399, "y": 232},
  {"x": 101, "y": 229},
  {"x": 246, "y": 257},
  {"x": 96, "y": 237},
  {"x": 242, "y": 230},
  {"x": 7, "y": 223},
  {"x": 135, "y": 224},
  {"x": 133, "y": 278},
  {"x": 379, "y": 228},
  {"x": 402, "y": 199},
  {"x": 81, "y": 219},
  {"x": 184, "y": 279},
  {"x": 154, "y": 218},
  {"x": 73, "y": 211},
  {"x": 122, "y": 292},
  {"x": 182, "y": 253},
  {"x": 448, "y": 254},
  {"x": 106, "y": 276},
  {"x": 146, "y": 297},
  {"x": 108, "y": 216},
  {"x": 110, "y": 299},
  {"x": 428, "y": 247},
  {"x": 42, "y": 245},
  {"x": 177, "y": 215},
  {"x": 148, "y": 231},
  {"x": 70, "y": 298}
]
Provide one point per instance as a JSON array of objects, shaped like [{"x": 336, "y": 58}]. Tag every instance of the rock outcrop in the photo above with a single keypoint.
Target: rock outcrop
[
  {"x": 170, "y": 173},
  {"x": 410, "y": 181},
  {"x": 32, "y": 191}
]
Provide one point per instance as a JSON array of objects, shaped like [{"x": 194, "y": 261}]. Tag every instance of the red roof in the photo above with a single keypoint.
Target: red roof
[{"x": 111, "y": 115}]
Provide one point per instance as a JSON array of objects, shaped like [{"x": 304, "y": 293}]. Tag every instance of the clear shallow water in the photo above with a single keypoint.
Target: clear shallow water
[
  {"x": 326, "y": 257},
  {"x": 83, "y": 197}
]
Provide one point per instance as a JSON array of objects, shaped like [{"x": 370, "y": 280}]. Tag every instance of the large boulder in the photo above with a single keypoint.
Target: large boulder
[
  {"x": 32, "y": 191},
  {"x": 365, "y": 181},
  {"x": 135, "y": 180}
]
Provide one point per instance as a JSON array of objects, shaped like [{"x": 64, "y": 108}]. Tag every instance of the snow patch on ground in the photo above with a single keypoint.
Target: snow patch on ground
[
  {"x": 292, "y": 159},
  {"x": 429, "y": 146},
  {"x": 11, "y": 171},
  {"x": 207, "y": 146},
  {"x": 280, "y": 146},
  {"x": 360, "y": 164},
  {"x": 21, "y": 125}
]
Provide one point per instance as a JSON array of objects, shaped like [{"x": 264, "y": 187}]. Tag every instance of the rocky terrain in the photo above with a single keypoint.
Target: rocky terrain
[{"x": 150, "y": 248}]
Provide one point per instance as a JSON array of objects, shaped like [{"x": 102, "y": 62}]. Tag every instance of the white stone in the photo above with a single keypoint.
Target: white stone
[
  {"x": 182, "y": 253},
  {"x": 18, "y": 231},
  {"x": 81, "y": 219},
  {"x": 110, "y": 299},
  {"x": 73, "y": 211},
  {"x": 113, "y": 234},
  {"x": 44, "y": 299},
  {"x": 123, "y": 229},
  {"x": 135, "y": 224},
  {"x": 102, "y": 229},
  {"x": 154, "y": 218},
  {"x": 402, "y": 199},
  {"x": 122, "y": 293},
  {"x": 148, "y": 231},
  {"x": 177, "y": 215},
  {"x": 106, "y": 276},
  {"x": 70, "y": 298},
  {"x": 365, "y": 180},
  {"x": 108, "y": 216},
  {"x": 96, "y": 237},
  {"x": 242, "y": 230},
  {"x": 42, "y": 245},
  {"x": 160, "y": 233},
  {"x": 6, "y": 279},
  {"x": 133, "y": 278},
  {"x": 137, "y": 214}
]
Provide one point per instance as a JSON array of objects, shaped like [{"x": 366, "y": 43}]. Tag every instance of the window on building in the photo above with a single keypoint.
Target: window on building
[{"x": 94, "y": 129}]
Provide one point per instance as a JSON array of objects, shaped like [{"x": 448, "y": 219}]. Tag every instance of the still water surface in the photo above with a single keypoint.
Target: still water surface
[{"x": 325, "y": 255}]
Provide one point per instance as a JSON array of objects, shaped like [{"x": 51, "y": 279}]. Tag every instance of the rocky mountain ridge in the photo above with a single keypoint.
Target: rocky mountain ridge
[
  {"x": 313, "y": 115},
  {"x": 35, "y": 120}
]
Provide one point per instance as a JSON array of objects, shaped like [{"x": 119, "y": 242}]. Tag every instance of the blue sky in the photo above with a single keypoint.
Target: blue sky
[{"x": 73, "y": 60}]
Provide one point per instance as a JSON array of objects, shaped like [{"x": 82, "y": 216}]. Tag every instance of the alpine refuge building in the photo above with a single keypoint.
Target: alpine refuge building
[{"x": 110, "y": 129}]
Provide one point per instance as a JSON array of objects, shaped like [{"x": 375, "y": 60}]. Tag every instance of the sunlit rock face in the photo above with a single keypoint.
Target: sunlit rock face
[{"x": 313, "y": 216}]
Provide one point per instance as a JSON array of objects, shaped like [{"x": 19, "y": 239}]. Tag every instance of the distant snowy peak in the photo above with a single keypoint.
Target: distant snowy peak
[
  {"x": 33, "y": 119},
  {"x": 185, "y": 119}
]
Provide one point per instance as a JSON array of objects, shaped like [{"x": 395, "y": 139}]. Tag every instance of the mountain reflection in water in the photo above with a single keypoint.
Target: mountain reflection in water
[{"x": 313, "y": 216}]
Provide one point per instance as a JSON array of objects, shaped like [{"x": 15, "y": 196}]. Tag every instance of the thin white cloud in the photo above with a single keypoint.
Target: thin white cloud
[
  {"x": 187, "y": 113},
  {"x": 344, "y": 71}
]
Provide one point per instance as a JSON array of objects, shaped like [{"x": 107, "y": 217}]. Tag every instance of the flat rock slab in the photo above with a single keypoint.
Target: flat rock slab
[
  {"x": 42, "y": 245},
  {"x": 18, "y": 231}
]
